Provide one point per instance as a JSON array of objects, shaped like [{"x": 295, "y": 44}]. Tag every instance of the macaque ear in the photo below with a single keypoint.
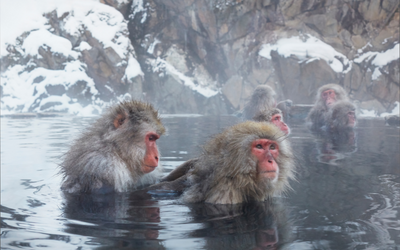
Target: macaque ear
[{"x": 119, "y": 120}]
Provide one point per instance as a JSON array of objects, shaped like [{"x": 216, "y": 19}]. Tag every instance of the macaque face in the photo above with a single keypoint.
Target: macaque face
[
  {"x": 150, "y": 161},
  {"x": 329, "y": 97},
  {"x": 266, "y": 151},
  {"x": 351, "y": 119},
  {"x": 277, "y": 120}
]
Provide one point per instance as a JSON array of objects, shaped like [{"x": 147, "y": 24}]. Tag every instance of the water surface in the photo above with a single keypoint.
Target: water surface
[{"x": 347, "y": 194}]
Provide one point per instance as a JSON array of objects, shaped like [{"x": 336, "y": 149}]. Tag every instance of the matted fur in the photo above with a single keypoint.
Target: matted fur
[
  {"x": 226, "y": 173},
  {"x": 263, "y": 98},
  {"x": 317, "y": 115},
  {"x": 106, "y": 157},
  {"x": 336, "y": 117}
]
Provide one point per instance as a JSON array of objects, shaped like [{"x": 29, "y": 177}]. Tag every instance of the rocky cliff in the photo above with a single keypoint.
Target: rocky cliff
[{"x": 205, "y": 56}]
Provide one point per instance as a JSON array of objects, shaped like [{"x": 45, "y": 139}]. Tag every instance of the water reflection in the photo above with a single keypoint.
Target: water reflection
[
  {"x": 134, "y": 220},
  {"x": 256, "y": 225},
  {"x": 334, "y": 146},
  {"x": 126, "y": 220}
]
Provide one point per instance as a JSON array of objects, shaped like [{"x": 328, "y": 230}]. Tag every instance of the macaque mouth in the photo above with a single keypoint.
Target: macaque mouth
[{"x": 147, "y": 168}]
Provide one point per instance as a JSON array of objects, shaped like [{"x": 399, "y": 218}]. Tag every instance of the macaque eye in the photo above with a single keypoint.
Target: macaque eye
[
  {"x": 152, "y": 138},
  {"x": 259, "y": 146},
  {"x": 272, "y": 147}
]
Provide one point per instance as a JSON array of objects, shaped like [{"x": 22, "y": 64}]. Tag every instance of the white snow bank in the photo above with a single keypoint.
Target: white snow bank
[
  {"x": 105, "y": 23},
  {"x": 161, "y": 65},
  {"x": 373, "y": 113},
  {"x": 23, "y": 91},
  {"x": 43, "y": 37},
  {"x": 310, "y": 48},
  {"x": 379, "y": 59},
  {"x": 133, "y": 69},
  {"x": 19, "y": 16}
]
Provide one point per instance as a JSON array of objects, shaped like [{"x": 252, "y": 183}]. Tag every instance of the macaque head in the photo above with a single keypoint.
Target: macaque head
[
  {"x": 266, "y": 151},
  {"x": 262, "y": 98},
  {"x": 342, "y": 115},
  {"x": 248, "y": 161},
  {"x": 273, "y": 116},
  {"x": 329, "y": 94},
  {"x": 138, "y": 128}
]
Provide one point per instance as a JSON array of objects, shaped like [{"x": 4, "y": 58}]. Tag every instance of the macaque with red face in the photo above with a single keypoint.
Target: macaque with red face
[
  {"x": 116, "y": 153},
  {"x": 248, "y": 161},
  {"x": 327, "y": 96},
  {"x": 274, "y": 116}
]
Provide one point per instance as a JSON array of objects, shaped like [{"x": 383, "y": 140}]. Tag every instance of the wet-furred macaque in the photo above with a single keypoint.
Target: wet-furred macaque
[
  {"x": 274, "y": 116},
  {"x": 263, "y": 98},
  {"x": 250, "y": 161},
  {"x": 341, "y": 115},
  {"x": 116, "y": 153},
  {"x": 327, "y": 95}
]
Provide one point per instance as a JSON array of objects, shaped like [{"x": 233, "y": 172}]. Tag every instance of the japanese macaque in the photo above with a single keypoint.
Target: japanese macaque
[
  {"x": 116, "y": 153},
  {"x": 274, "y": 116},
  {"x": 250, "y": 161},
  {"x": 341, "y": 115},
  {"x": 327, "y": 95},
  {"x": 263, "y": 98}
]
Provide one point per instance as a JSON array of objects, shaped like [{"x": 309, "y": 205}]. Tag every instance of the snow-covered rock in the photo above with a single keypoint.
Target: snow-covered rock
[{"x": 71, "y": 56}]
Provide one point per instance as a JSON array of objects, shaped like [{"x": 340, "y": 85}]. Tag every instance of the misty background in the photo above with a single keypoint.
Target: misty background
[{"x": 195, "y": 57}]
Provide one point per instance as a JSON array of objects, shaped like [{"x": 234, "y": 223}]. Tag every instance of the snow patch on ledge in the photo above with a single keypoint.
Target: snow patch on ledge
[
  {"x": 379, "y": 59},
  {"x": 373, "y": 113},
  {"x": 28, "y": 91},
  {"x": 161, "y": 65},
  {"x": 305, "y": 49},
  {"x": 43, "y": 38}
]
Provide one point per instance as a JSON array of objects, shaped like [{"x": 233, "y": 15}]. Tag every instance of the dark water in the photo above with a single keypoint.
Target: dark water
[{"x": 347, "y": 194}]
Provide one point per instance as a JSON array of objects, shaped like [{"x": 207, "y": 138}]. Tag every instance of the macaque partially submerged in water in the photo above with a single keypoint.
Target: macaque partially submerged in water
[
  {"x": 248, "y": 161},
  {"x": 273, "y": 116},
  {"x": 116, "y": 153},
  {"x": 327, "y": 95},
  {"x": 342, "y": 115},
  {"x": 263, "y": 98}
]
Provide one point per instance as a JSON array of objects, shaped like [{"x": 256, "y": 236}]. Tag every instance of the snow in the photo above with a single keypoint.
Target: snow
[
  {"x": 373, "y": 113},
  {"x": 305, "y": 49},
  {"x": 43, "y": 37},
  {"x": 379, "y": 59},
  {"x": 395, "y": 111},
  {"x": 138, "y": 7},
  {"x": 133, "y": 69},
  {"x": 161, "y": 65},
  {"x": 22, "y": 90},
  {"x": 84, "y": 46}
]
